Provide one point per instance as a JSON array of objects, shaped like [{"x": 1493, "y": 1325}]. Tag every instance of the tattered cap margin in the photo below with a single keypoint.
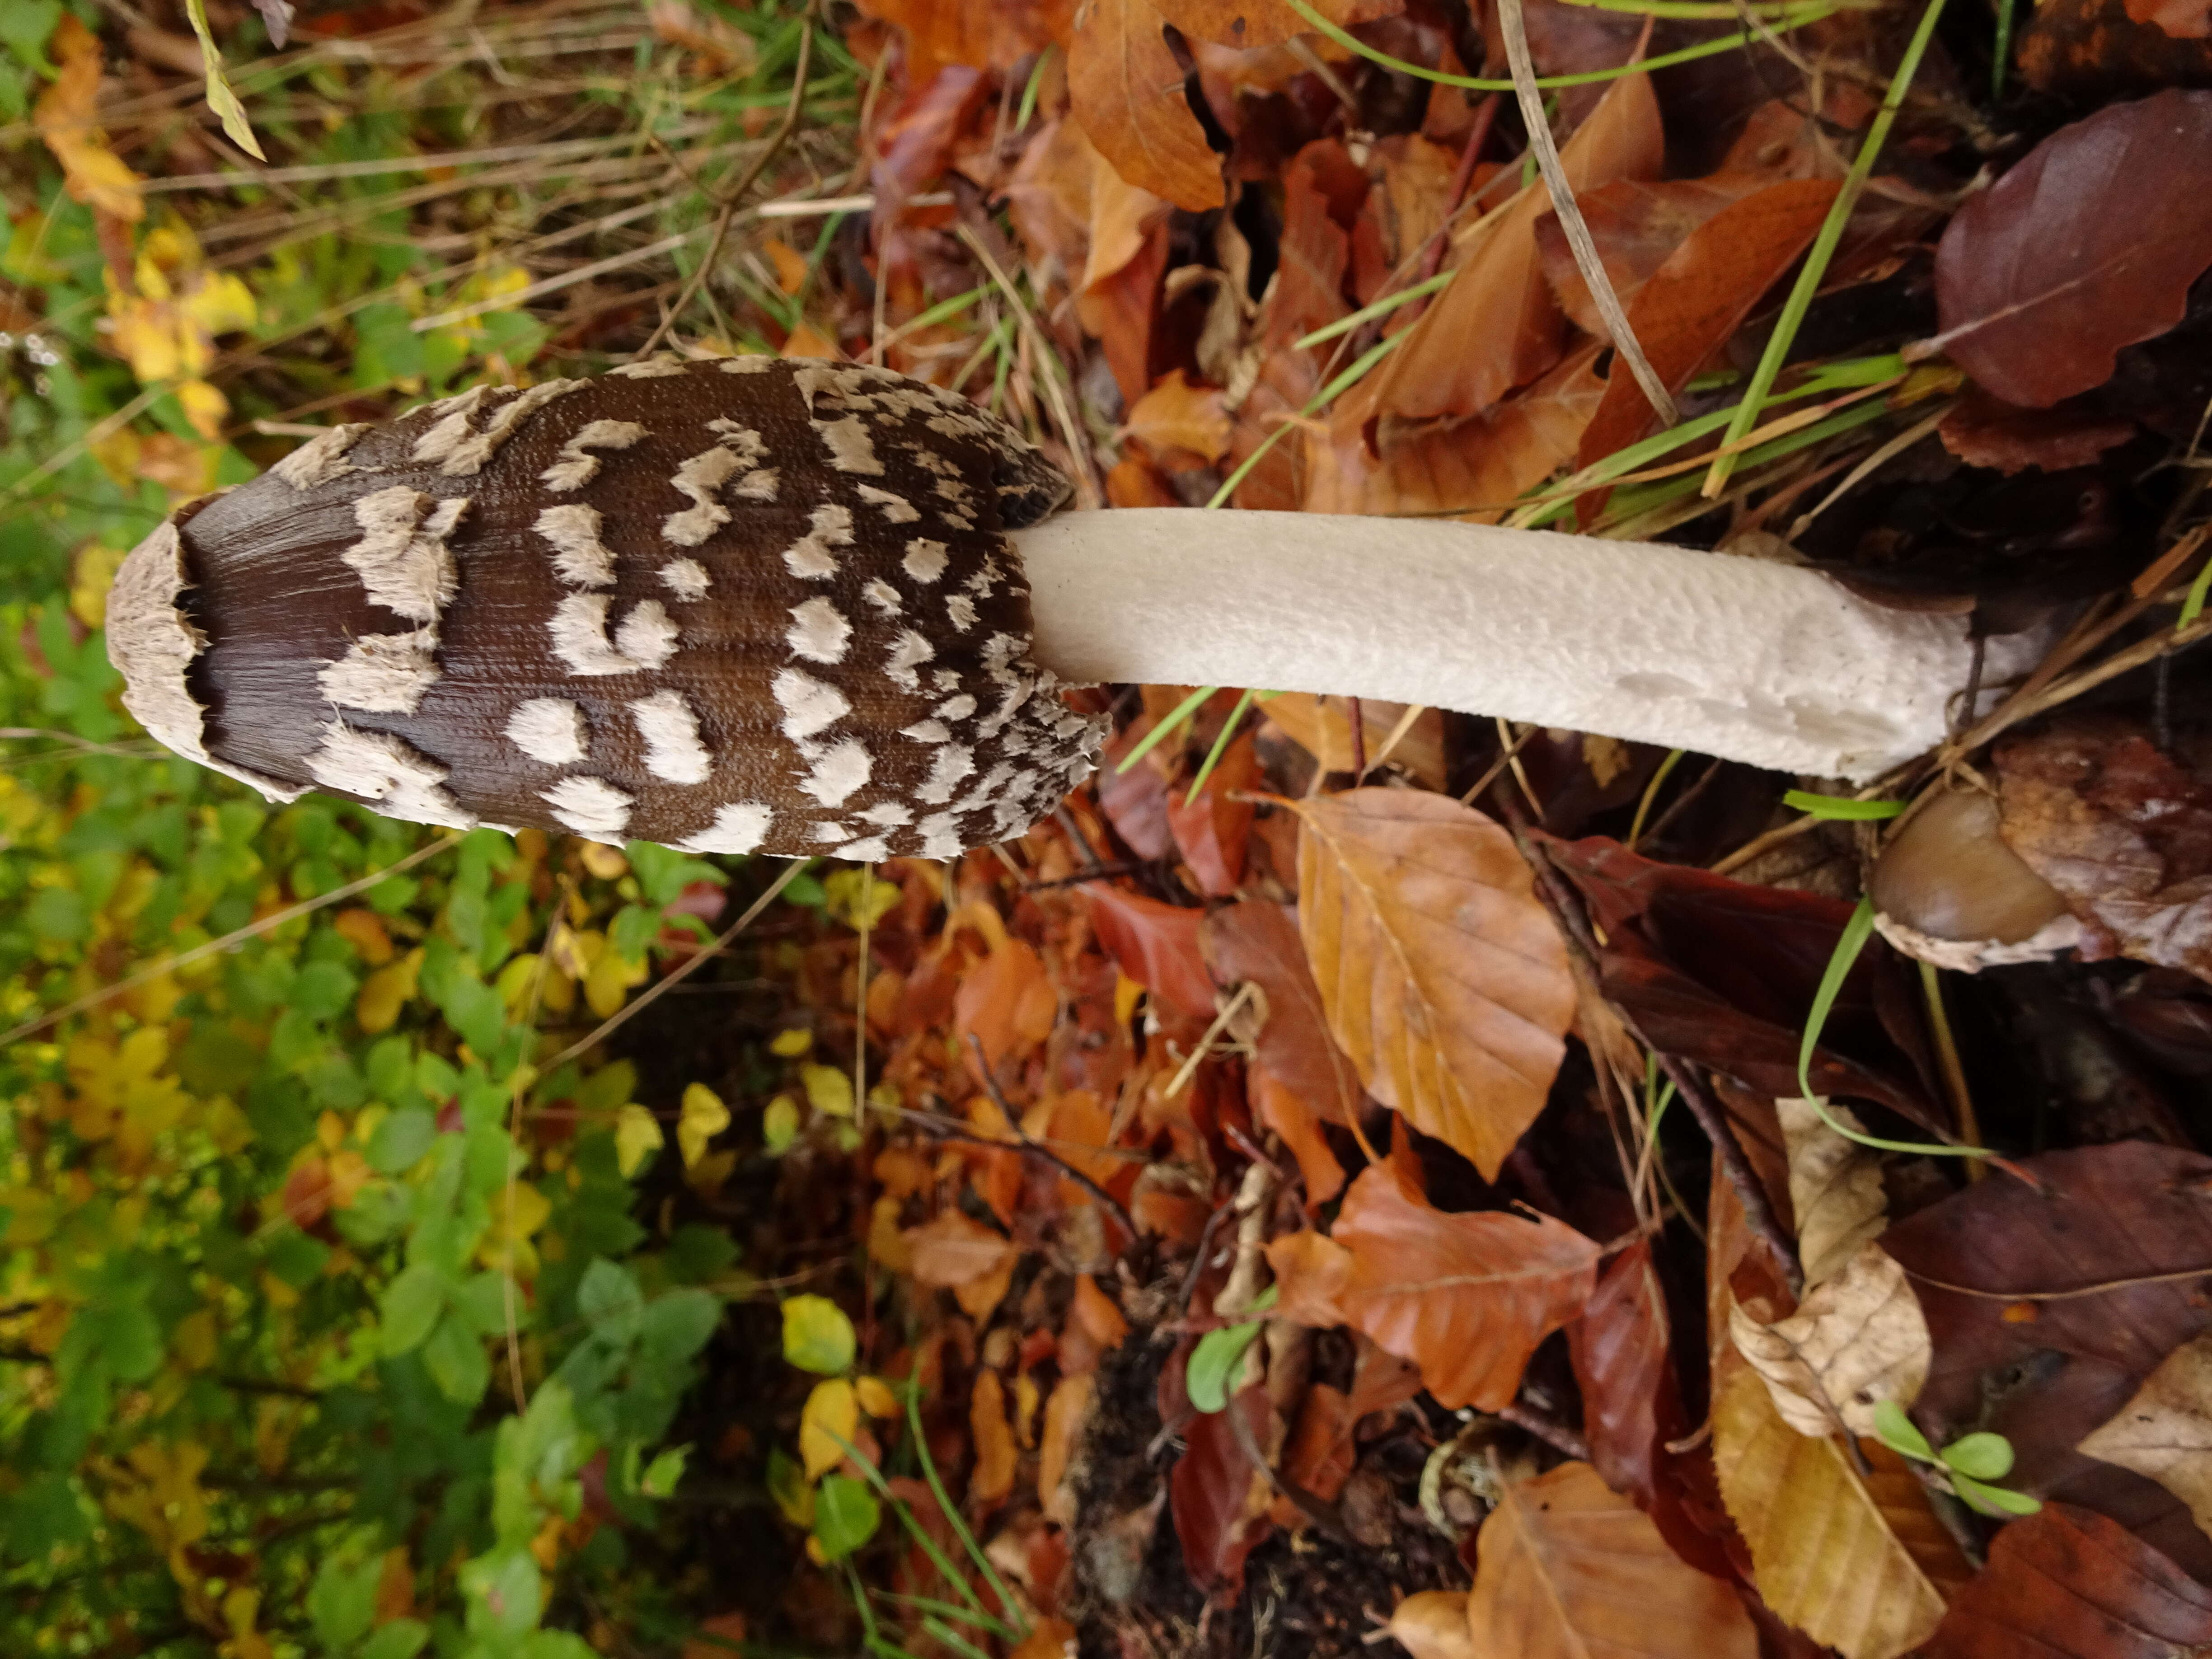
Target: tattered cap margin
[{"x": 152, "y": 643}]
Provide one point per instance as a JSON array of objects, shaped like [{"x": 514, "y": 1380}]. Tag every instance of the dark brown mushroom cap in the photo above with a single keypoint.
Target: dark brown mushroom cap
[{"x": 744, "y": 604}]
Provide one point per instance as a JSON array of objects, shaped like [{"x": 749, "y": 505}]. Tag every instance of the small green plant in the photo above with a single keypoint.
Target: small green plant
[
  {"x": 1970, "y": 1465},
  {"x": 1214, "y": 1361}
]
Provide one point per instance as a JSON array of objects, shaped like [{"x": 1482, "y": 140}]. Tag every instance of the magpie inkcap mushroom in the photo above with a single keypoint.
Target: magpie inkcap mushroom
[{"x": 744, "y": 604}]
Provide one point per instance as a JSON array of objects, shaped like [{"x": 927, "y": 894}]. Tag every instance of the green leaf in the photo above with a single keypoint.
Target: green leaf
[
  {"x": 1898, "y": 1432},
  {"x": 557, "y": 1644},
  {"x": 221, "y": 99},
  {"x": 341, "y": 1601},
  {"x": 1843, "y": 808},
  {"x": 25, "y": 25},
  {"x": 454, "y": 1356},
  {"x": 1214, "y": 1361},
  {"x": 816, "y": 1335},
  {"x": 676, "y": 1327},
  {"x": 1980, "y": 1456},
  {"x": 610, "y": 1303},
  {"x": 846, "y": 1515},
  {"x": 401, "y": 1139},
  {"x": 403, "y": 1639},
  {"x": 506, "y": 1593},
  {"x": 1993, "y": 1500},
  {"x": 661, "y": 1475},
  {"x": 412, "y": 1302}
]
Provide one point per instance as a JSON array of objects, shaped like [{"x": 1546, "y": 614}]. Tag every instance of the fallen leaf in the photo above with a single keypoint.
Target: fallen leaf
[
  {"x": 2121, "y": 829},
  {"x": 1695, "y": 303},
  {"x": 1856, "y": 1561},
  {"x": 2165, "y": 1431},
  {"x": 1214, "y": 831},
  {"x": 1637, "y": 225},
  {"x": 979, "y": 34},
  {"x": 952, "y": 1250},
  {"x": 2088, "y": 244},
  {"x": 1856, "y": 1340},
  {"x": 1322, "y": 727},
  {"x": 992, "y": 1477},
  {"x": 1311, "y": 1272},
  {"x": 1175, "y": 414},
  {"x": 1155, "y": 943},
  {"x": 1257, "y": 941},
  {"x": 1565, "y": 1567},
  {"x": 1983, "y": 431},
  {"x": 1442, "y": 975},
  {"x": 1218, "y": 1497},
  {"x": 1432, "y": 1624},
  {"x": 1467, "y": 1296},
  {"x": 2067, "y": 1584},
  {"x": 1621, "y": 1347},
  {"x": 2096, "y": 48},
  {"x": 1497, "y": 325},
  {"x": 1128, "y": 91},
  {"x": 65, "y": 116},
  {"x": 1007, "y": 1001},
  {"x": 1835, "y": 1187},
  {"x": 1248, "y": 23},
  {"x": 1066, "y": 1411}
]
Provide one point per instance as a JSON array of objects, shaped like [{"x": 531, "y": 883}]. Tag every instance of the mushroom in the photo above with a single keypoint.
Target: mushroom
[{"x": 796, "y": 607}]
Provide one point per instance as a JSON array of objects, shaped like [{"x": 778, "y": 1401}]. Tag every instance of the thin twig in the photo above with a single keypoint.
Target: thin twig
[
  {"x": 1625, "y": 345},
  {"x": 1025, "y": 1142}
]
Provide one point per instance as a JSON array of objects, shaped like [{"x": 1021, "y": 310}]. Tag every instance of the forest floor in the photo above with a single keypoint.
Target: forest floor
[{"x": 1356, "y": 1174}]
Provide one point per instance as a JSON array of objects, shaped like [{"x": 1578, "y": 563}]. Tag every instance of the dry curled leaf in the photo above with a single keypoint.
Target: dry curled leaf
[
  {"x": 1432, "y": 1624},
  {"x": 2089, "y": 244},
  {"x": 1566, "y": 1568},
  {"x": 1248, "y": 23},
  {"x": 1855, "y": 1341},
  {"x": 1835, "y": 1187},
  {"x": 1856, "y": 1561},
  {"x": 1443, "y": 977},
  {"x": 64, "y": 117}
]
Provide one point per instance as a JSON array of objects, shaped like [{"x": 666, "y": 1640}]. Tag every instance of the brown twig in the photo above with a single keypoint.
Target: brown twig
[{"x": 1025, "y": 1142}]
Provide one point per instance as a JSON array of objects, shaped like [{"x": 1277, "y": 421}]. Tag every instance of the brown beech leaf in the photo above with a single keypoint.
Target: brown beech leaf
[
  {"x": 2067, "y": 1584},
  {"x": 952, "y": 1250},
  {"x": 1856, "y": 1561},
  {"x": 1432, "y": 1624},
  {"x": 1983, "y": 431},
  {"x": 1322, "y": 727},
  {"x": 2121, "y": 829},
  {"x": 1693, "y": 304},
  {"x": 1855, "y": 1341},
  {"x": 1475, "y": 469},
  {"x": 1127, "y": 90},
  {"x": 1155, "y": 943},
  {"x": 979, "y": 33},
  {"x": 1496, "y": 326},
  {"x": 1621, "y": 1348},
  {"x": 1247, "y": 23},
  {"x": 2088, "y": 244},
  {"x": 1637, "y": 224},
  {"x": 2165, "y": 1431},
  {"x": 1218, "y": 1497},
  {"x": 992, "y": 1477},
  {"x": 1466, "y": 1297},
  {"x": 1214, "y": 831},
  {"x": 2097, "y": 48},
  {"x": 1177, "y": 415},
  {"x": 1443, "y": 976},
  {"x": 1257, "y": 940},
  {"x": 1564, "y": 1568}
]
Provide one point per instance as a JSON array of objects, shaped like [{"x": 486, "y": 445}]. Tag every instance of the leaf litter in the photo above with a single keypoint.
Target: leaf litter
[{"x": 1435, "y": 1059}]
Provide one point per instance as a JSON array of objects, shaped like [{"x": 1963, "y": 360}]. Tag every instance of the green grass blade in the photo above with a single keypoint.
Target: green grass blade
[{"x": 1177, "y": 718}]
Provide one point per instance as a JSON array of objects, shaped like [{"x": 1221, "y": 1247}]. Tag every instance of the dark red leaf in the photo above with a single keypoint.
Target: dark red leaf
[
  {"x": 2069, "y": 1585},
  {"x": 1213, "y": 1497},
  {"x": 1214, "y": 829},
  {"x": 2088, "y": 245},
  {"x": 1621, "y": 1347},
  {"x": 1156, "y": 945}
]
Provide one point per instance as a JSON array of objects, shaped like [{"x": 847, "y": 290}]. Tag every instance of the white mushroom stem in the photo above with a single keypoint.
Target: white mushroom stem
[{"x": 1719, "y": 654}]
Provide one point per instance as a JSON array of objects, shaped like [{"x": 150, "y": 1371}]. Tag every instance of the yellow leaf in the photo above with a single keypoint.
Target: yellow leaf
[
  {"x": 204, "y": 407},
  {"x": 219, "y": 303},
  {"x": 637, "y": 1136},
  {"x": 518, "y": 1210},
  {"x": 220, "y": 97},
  {"x": 879, "y": 1399},
  {"x": 91, "y": 574},
  {"x": 385, "y": 992},
  {"x": 791, "y": 1043},
  {"x": 1856, "y": 1561},
  {"x": 193, "y": 1342},
  {"x": 605, "y": 862},
  {"x": 780, "y": 1123},
  {"x": 829, "y": 1090},
  {"x": 827, "y": 1427},
  {"x": 64, "y": 115},
  {"x": 365, "y": 931},
  {"x": 606, "y": 987},
  {"x": 704, "y": 1116},
  {"x": 844, "y": 891}
]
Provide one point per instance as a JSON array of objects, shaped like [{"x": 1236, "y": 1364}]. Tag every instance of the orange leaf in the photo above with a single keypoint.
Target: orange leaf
[
  {"x": 1247, "y": 23},
  {"x": 1312, "y": 1272},
  {"x": 1008, "y": 1000},
  {"x": 64, "y": 117},
  {"x": 1565, "y": 1567},
  {"x": 1156, "y": 945},
  {"x": 1443, "y": 977},
  {"x": 1695, "y": 302},
  {"x": 1214, "y": 830},
  {"x": 1637, "y": 224},
  {"x": 953, "y": 1250},
  {"x": 1065, "y": 1414},
  {"x": 1432, "y": 1624},
  {"x": 1497, "y": 325},
  {"x": 992, "y": 1477},
  {"x": 1177, "y": 415},
  {"x": 1127, "y": 90},
  {"x": 1468, "y": 1297}
]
